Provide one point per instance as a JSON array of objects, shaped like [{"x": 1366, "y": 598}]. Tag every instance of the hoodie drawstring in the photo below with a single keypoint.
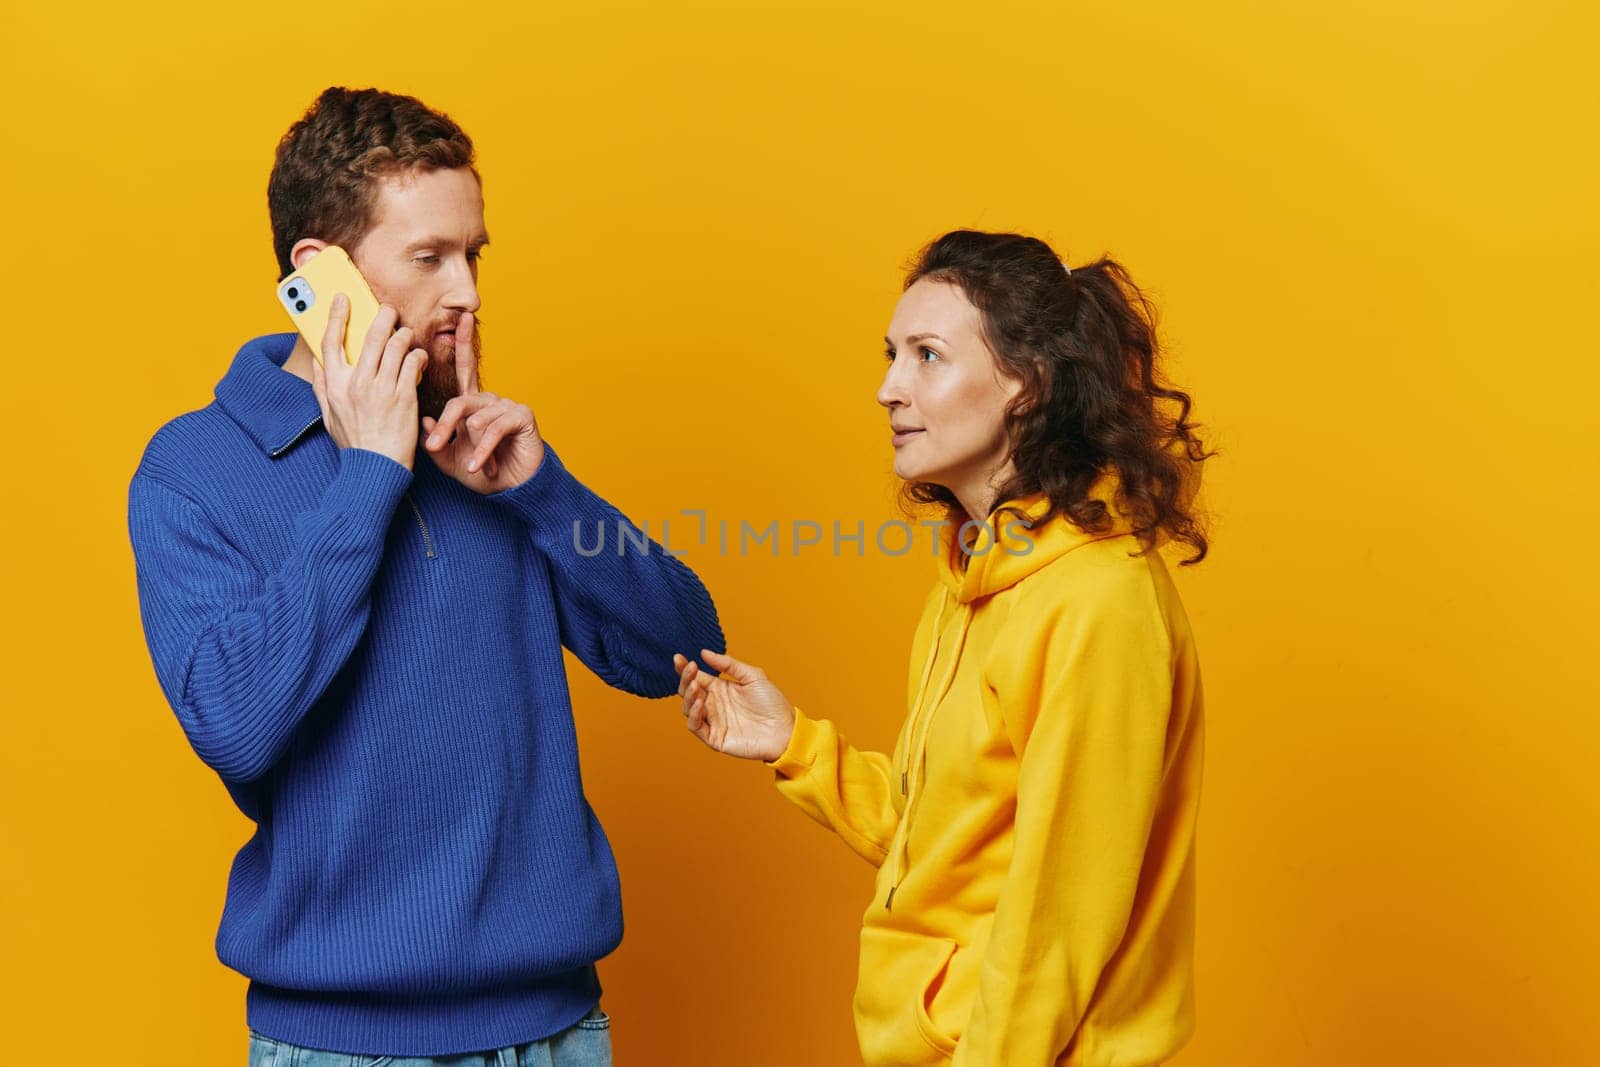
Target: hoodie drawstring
[{"x": 917, "y": 739}]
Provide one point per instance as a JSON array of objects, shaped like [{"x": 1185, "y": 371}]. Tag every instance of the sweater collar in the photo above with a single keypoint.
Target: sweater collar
[{"x": 274, "y": 407}]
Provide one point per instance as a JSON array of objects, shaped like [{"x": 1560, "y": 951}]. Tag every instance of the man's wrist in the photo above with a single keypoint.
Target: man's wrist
[{"x": 404, "y": 461}]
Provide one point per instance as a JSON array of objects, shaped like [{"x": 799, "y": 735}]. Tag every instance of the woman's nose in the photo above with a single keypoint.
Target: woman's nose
[{"x": 891, "y": 392}]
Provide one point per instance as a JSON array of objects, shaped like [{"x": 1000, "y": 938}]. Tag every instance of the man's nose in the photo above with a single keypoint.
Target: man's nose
[{"x": 463, "y": 294}]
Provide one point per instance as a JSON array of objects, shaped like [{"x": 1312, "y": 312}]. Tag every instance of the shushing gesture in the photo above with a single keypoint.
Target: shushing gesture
[
  {"x": 740, "y": 714},
  {"x": 485, "y": 442}
]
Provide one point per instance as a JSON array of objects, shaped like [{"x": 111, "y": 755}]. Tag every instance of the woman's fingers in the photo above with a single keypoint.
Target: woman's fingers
[
  {"x": 691, "y": 690},
  {"x": 735, "y": 669},
  {"x": 706, "y": 698},
  {"x": 686, "y": 673}
]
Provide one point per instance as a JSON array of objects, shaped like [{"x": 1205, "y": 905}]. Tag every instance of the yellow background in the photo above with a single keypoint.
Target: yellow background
[{"x": 1371, "y": 229}]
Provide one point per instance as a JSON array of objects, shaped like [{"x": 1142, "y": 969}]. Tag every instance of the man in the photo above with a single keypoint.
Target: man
[{"x": 361, "y": 633}]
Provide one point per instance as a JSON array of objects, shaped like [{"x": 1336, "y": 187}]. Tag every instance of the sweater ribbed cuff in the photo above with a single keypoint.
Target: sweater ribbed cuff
[
  {"x": 549, "y": 500},
  {"x": 801, "y": 753},
  {"x": 368, "y": 487}
]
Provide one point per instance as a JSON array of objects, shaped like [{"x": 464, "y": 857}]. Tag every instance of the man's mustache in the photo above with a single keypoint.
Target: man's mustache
[{"x": 451, "y": 325}]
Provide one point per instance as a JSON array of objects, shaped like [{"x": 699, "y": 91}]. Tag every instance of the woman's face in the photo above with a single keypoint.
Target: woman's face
[{"x": 945, "y": 395}]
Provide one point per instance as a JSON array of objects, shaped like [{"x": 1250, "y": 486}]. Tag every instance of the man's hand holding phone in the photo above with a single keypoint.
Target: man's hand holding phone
[{"x": 373, "y": 404}]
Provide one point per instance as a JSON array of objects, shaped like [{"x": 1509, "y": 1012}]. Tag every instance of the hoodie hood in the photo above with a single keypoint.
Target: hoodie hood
[{"x": 1003, "y": 550}]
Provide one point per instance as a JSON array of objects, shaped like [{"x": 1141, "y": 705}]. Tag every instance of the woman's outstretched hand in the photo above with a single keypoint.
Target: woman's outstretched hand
[{"x": 741, "y": 714}]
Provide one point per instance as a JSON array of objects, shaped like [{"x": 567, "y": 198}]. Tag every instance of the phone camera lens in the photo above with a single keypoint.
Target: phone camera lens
[
  {"x": 299, "y": 305},
  {"x": 294, "y": 294}
]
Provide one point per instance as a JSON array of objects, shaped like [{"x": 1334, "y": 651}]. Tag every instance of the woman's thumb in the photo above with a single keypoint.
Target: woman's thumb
[{"x": 738, "y": 671}]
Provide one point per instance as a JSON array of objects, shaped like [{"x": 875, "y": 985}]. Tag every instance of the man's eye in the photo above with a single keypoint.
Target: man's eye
[
  {"x": 475, "y": 255},
  {"x": 427, "y": 259}
]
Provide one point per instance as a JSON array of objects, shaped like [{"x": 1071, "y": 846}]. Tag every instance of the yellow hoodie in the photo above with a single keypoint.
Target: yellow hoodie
[{"x": 1034, "y": 831}]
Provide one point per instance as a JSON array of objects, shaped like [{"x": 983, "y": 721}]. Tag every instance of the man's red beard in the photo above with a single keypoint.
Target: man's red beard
[{"x": 438, "y": 385}]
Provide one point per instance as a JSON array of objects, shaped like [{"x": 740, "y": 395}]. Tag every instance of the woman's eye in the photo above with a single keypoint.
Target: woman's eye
[
  {"x": 888, "y": 354},
  {"x": 930, "y": 352}
]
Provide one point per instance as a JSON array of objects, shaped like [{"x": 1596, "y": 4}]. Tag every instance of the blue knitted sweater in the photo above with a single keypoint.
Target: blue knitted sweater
[{"x": 370, "y": 659}]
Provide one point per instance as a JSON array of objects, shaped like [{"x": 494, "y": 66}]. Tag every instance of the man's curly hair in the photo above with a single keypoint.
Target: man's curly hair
[{"x": 324, "y": 180}]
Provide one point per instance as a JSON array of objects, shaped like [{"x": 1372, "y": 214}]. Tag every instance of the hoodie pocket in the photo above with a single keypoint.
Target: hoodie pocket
[{"x": 900, "y": 973}]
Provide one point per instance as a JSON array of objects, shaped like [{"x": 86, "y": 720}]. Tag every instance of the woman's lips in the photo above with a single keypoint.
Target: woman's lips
[{"x": 901, "y": 437}]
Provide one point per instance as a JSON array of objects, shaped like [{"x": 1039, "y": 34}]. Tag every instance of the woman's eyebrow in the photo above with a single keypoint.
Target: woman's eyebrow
[{"x": 914, "y": 338}]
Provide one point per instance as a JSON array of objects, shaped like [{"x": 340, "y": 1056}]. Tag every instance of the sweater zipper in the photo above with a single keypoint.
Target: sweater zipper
[
  {"x": 281, "y": 449},
  {"x": 427, "y": 538}
]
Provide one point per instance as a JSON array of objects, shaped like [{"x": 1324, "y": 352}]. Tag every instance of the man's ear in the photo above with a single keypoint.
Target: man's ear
[{"x": 304, "y": 249}]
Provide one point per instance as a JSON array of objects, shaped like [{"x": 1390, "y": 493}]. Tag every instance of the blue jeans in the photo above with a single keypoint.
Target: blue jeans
[{"x": 588, "y": 1044}]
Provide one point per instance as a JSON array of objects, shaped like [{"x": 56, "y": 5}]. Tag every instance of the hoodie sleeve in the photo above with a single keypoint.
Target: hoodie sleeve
[
  {"x": 849, "y": 791},
  {"x": 1086, "y": 699},
  {"x": 855, "y": 793},
  {"x": 242, "y": 655},
  {"x": 625, "y": 608}
]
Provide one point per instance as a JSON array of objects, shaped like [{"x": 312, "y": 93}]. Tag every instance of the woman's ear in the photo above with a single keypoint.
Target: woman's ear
[{"x": 1020, "y": 399}]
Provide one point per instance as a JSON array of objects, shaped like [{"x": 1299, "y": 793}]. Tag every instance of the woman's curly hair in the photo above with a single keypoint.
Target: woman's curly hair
[{"x": 1084, "y": 346}]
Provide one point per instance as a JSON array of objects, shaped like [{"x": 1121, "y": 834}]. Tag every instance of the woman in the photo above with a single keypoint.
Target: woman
[{"x": 1034, "y": 828}]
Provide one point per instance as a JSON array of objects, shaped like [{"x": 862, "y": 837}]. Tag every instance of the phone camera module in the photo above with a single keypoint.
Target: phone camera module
[{"x": 296, "y": 294}]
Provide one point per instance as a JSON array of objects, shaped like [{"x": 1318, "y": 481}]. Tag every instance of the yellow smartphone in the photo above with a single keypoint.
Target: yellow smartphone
[{"x": 307, "y": 295}]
